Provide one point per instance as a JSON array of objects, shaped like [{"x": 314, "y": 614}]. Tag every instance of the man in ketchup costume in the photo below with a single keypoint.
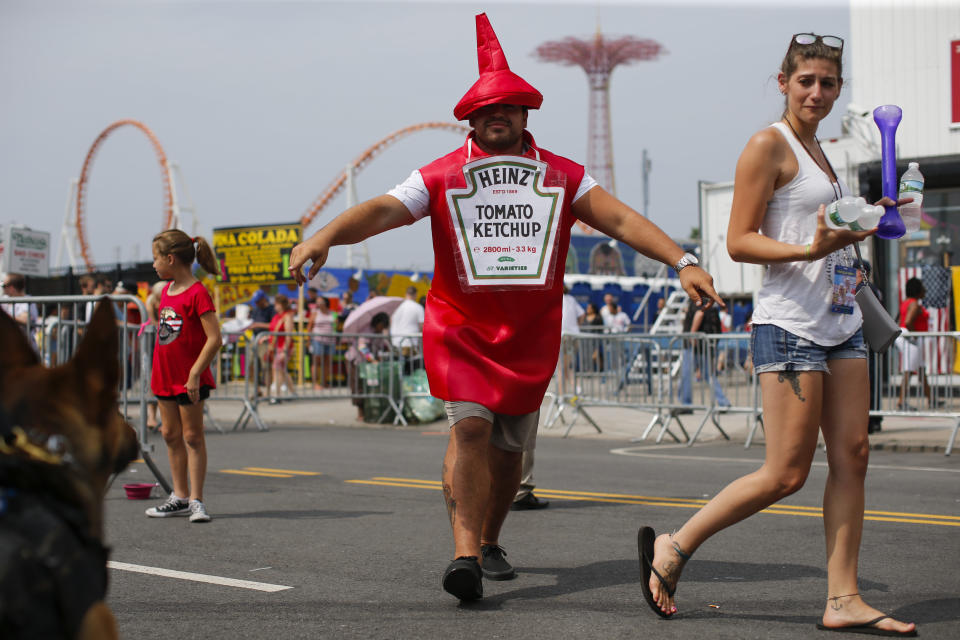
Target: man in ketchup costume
[{"x": 500, "y": 209}]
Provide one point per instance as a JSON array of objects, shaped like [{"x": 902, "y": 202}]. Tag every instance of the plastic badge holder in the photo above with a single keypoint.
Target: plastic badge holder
[{"x": 888, "y": 118}]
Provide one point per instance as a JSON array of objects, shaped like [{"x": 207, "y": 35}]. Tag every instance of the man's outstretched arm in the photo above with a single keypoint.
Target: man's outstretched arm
[
  {"x": 356, "y": 224},
  {"x": 605, "y": 213}
]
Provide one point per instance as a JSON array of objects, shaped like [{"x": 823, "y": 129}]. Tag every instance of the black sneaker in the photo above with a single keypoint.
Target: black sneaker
[
  {"x": 495, "y": 566},
  {"x": 172, "y": 507},
  {"x": 463, "y": 578},
  {"x": 529, "y": 501}
]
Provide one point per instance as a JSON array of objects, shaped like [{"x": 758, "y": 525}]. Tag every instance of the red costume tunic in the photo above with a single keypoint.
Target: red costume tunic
[
  {"x": 180, "y": 339},
  {"x": 496, "y": 348}
]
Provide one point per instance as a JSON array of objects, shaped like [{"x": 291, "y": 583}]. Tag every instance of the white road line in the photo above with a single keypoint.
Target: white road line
[
  {"x": 197, "y": 577},
  {"x": 639, "y": 452}
]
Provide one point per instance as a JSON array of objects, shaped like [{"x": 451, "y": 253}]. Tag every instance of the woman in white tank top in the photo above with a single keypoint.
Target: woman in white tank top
[{"x": 807, "y": 347}]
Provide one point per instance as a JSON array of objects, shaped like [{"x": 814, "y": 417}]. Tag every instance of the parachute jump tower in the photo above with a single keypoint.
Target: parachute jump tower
[{"x": 598, "y": 57}]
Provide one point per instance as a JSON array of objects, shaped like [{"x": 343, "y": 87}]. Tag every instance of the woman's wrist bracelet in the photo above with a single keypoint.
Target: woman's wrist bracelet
[{"x": 806, "y": 254}]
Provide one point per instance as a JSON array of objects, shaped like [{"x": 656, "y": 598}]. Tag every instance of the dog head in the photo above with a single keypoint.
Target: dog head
[{"x": 77, "y": 402}]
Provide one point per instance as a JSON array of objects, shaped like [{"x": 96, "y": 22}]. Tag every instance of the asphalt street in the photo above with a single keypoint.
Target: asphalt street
[{"x": 351, "y": 522}]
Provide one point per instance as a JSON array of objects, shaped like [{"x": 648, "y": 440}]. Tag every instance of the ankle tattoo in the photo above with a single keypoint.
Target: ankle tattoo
[
  {"x": 680, "y": 552},
  {"x": 836, "y": 606}
]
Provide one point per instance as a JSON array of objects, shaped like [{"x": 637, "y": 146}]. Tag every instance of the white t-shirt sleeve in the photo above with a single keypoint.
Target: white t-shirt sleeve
[
  {"x": 586, "y": 183},
  {"x": 413, "y": 193}
]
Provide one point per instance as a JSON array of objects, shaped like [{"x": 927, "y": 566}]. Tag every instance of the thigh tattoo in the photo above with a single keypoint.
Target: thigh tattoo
[{"x": 793, "y": 377}]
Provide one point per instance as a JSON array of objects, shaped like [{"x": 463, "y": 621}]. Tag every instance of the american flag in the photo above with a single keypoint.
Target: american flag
[{"x": 938, "y": 354}]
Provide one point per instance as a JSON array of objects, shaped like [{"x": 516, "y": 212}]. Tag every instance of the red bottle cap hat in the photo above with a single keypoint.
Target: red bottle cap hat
[{"x": 497, "y": 84}]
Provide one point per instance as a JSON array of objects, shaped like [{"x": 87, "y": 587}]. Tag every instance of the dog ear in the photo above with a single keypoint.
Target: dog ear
[
  {"x": 15, "y": 350},
  {"x": 96, "y": 363}
]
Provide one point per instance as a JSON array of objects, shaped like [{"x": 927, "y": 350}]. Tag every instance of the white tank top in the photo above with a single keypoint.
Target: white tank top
[{"x": 796, "y": 296}]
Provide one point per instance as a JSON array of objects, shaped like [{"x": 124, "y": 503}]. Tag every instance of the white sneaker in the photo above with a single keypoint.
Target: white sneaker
[
  {"x": 198, "y": 512},
  {"x": 174, "y": 506}
]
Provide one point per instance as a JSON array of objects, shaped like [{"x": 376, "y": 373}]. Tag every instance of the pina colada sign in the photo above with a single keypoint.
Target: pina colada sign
[{"x": 505, "y": 222}]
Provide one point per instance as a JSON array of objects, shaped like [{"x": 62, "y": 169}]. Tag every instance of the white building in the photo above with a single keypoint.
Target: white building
[{"x": 907, "y": 53}]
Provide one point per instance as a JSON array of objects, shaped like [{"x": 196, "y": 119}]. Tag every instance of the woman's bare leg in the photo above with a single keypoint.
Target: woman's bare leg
[
  {"x": 846, "y": 401},
  {"x": 791, "y": 408}
]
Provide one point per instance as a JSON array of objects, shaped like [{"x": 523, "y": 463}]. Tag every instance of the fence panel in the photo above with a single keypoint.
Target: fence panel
[
  {"x": 56, "y": 325},
  {"x": 669, "y": 376}
]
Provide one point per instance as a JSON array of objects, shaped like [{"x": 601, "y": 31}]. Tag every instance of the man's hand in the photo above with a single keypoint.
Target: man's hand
[
  {"x": 314, "y": 248},
  {"x": 699, "y": 286}
]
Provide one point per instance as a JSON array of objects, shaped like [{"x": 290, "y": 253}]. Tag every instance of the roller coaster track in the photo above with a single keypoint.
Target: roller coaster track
[
  {"x": 361, "y": 161},
  {"x": 169, "y": 204},
  {"x": 85, "y": 176}
]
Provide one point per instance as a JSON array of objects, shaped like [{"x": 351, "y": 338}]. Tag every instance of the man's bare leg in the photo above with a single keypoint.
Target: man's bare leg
[
  {"x": 504, "y": 483},
  {"x": 467, "y": 483}
]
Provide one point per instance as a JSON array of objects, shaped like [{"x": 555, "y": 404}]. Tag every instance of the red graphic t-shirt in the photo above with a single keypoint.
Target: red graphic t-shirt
[{"x": 180, "y": 339}]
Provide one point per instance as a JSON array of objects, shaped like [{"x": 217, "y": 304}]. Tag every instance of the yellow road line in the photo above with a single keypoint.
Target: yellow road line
[
  {"x": 241, "y": 472},
  {"x": 393, "y": 484},
  {"x": 296, "y": 473},
  {"x": 689, "y": 503}
]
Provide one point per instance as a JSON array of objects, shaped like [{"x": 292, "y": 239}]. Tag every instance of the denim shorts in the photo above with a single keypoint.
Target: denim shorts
[
  {"x": 319, "y": 348},
  {"x": 776, "y": 349}
]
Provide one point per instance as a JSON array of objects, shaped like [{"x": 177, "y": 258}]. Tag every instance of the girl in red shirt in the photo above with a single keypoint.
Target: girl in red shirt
[{"x": 188, "y": 338}]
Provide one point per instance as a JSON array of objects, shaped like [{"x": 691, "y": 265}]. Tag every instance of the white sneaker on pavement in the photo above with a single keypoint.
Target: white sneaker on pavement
[{"x": 198, "y": 512}]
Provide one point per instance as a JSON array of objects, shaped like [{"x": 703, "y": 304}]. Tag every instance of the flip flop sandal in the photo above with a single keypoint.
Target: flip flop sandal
[
  {"x": 869, "y": 628},
  {"x": 645, "y": 540}
]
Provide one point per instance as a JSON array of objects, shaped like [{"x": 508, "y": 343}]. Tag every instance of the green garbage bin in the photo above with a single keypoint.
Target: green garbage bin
[{"x": 380, "y": 378}]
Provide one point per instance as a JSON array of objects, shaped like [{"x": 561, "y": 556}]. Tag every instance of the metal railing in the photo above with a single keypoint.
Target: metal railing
[
  {"x": 709, "y": 375},
  {"x": 56, "y": 324},
  {"x": 670, "y": 376},
  {"x": 368, "y": 369}
]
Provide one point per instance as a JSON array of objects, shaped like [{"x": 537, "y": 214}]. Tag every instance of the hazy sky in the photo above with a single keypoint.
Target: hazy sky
[{"x": 262, "y": 102}]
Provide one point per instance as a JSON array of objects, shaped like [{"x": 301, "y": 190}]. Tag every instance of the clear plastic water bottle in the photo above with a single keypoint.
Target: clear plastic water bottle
[
  {"x": 868, "y": 217},
  {"x": 852, "y": 213},
  {"x": 840, "y": 213},
  {"x": 911, "y": 186}
]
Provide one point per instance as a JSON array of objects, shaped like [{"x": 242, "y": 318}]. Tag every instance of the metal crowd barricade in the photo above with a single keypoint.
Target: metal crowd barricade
[
  {"x": 337, "y": 371},
  {"x": 606, "y": 370},
  {"x": 893, "y": 393},
  {"x": 702, "y": 373},
  {"x": 57, "y": 329},
  {"x": 931, "y": 392},
  {"x": 715, "y": 374},
  {"x": 230, "y": 369}
]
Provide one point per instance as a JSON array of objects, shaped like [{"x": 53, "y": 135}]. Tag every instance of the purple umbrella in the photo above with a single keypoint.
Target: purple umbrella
[{"x": 359, "y": 319}]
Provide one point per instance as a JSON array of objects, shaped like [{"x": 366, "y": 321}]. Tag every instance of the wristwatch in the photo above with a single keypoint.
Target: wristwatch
[{"x": 687, "y": 260}]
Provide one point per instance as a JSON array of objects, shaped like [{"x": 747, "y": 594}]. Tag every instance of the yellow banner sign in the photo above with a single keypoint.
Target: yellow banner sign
[{"x": 256, "y": 254}]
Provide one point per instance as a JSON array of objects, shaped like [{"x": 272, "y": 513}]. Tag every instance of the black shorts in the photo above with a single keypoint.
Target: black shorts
[{"x": 184, "y": 399}]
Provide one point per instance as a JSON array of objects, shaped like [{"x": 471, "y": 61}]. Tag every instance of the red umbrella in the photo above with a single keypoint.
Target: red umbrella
[{"x": 359, "y": 319}]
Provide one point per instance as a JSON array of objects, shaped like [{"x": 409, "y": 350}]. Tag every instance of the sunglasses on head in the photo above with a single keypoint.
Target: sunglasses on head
[{"x": 834, "y": 42}]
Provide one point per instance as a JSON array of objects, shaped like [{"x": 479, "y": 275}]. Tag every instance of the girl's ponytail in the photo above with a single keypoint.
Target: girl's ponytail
[
  {"x": 206, "y": 258},
  {"x": 186, "y": 249}
]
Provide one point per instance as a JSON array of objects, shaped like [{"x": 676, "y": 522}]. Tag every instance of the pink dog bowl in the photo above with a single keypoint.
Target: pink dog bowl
[{"x": 138, "y": 490}]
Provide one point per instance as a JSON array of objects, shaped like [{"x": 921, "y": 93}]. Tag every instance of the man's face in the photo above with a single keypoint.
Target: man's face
[{"x": 499, "y": 127}]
